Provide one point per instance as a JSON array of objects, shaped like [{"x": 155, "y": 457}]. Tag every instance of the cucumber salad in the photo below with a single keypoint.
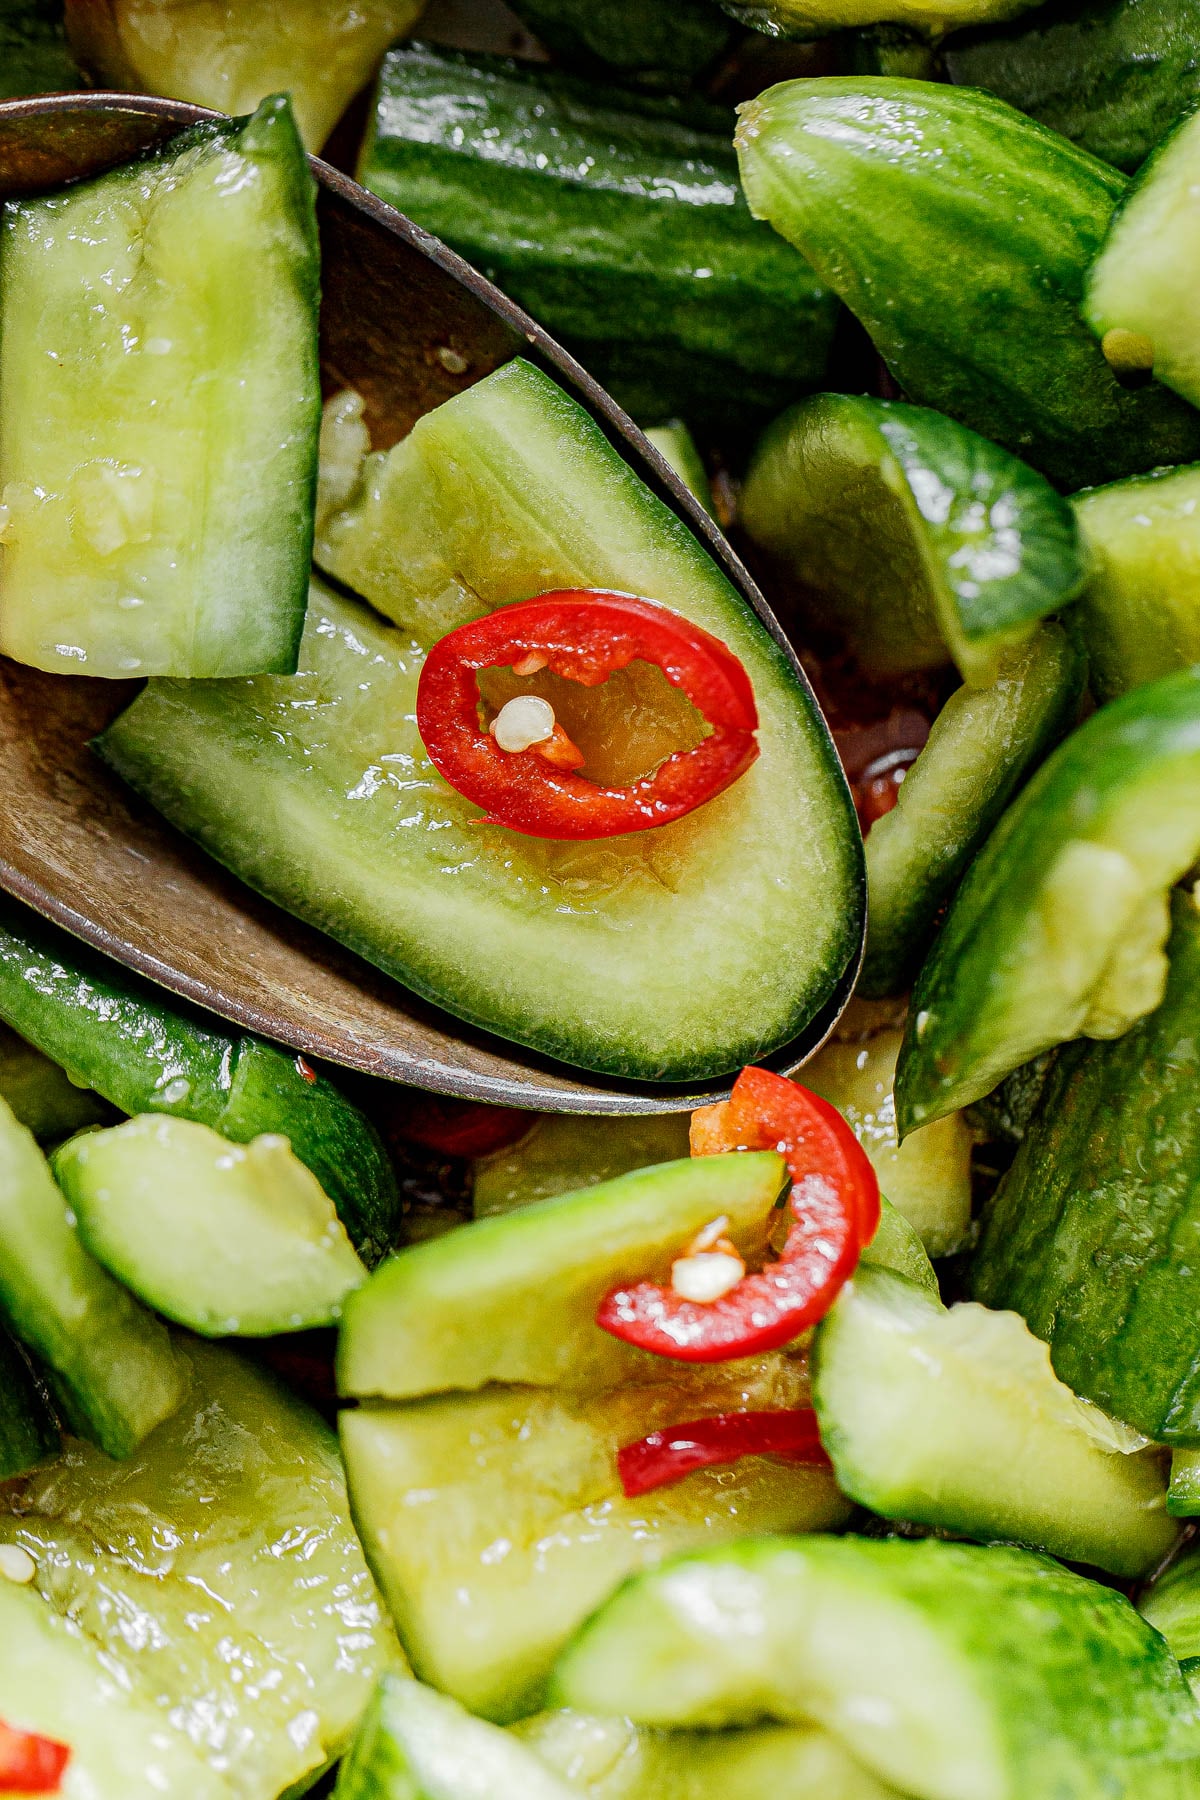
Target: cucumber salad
[{"x": 835, "y": 1440}]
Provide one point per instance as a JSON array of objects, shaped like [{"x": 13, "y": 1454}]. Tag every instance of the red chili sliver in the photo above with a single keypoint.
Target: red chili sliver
[
  {"x": 834, "y": 1205},
  {"x": 30, "y": 1764},
  {"x": 584, "y": 636},
  {"x": 667, "y": 1456}
]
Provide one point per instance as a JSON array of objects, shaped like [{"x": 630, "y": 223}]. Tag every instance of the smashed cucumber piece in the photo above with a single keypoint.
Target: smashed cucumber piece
[
  {"x": 1183, "y": 1495},
  {"x": 43, "y": 1096},
  {"x": 913, "y": 538},
  {"x": 953, "y": 1671},
  {"x": 955, "y": 1418},
  {"x": 1058, "y": 929},
  {"x": 813, "y": 18},
  {"x": 28, "y": 1428},
  {"x": 230, "y": 1240},
  {"x": 563, "y": 1152},
  {"x": 1172, "y": 1606}
]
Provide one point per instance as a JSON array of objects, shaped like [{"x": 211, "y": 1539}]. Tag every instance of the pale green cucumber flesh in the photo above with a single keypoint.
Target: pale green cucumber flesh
[
  {"x": 146, "y": 1052},
  {"x": 983, "y": 744},
  {"x": 28, "y": 1429},
  {"x": 956, "y": 1672},
  {"x": 897, "y": 1247},
  {"x": 813, "y": 18},
  {"x": 1091, "y": 1234},
  {"x": 159, "y": 435},
  {"x": 1183, "y": 1495},
  {"x": 1057, "y": 930},
  {"x": 513, "y": 1298},
  {"x": 1145, "y": 277},
  {"x": 219, "y": 1579},
  {"x": 110, "y": 1361},
  {"x": 229, "y": 1240},
  {"x": 417, "y": 1744},
  {"x": 956, "y": 1419},
  {"x": 676, "y": 445},
  {"x": 983, "y": 321},
  {"x": 1140, "y": 611},
  {"x": 1172, "y": 1605},
  {"x": 495, "y": 1522},
  {"x": 563, "y": 1152},
  {"x": 917, "y": 539}
]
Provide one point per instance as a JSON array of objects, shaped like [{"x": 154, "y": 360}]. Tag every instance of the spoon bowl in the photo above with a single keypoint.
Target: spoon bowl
[{"x": 408, "y": 324}]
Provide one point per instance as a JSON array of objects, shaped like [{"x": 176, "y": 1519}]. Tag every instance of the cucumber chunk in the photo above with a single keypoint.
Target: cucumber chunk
[
  {"x": 676, "y": 445},
  {"x": 613, "y": 1759},
  {"x": 218, "y": 1579},
  {"x": 594, "y": 208},
  {"x": 961, "y": 233},
  {"x": 495, "y": 1522},
  {"x": 1058, "y": 929},
  {"x": 1091, "y": 1233},
  {"x": 34, "y": 58},
  {"x": 914, "y": 539},
  {"x": 1145, "y": 277},
  {"x": 110, "y": 1362},
  {"x": 564, "y": 1152},
  {"x": 415, "y": 1744},
  {"x": 505, "y": 491},
  {"x": 953, "y": 1671},
  {"x": 1183, "y": 1495},
  {"x": 157, "y": 485},
  {"x": 147, "y": 1052},
  {"x": 28, "y": 1429},
  {"x": 1113, "y": 77},
  {"x": 228, "y": 54},
  {"x": 1140, "y": 612},
  {"x": 514, "y": 1298},
  {"x": 813, "y": 18},
  {"x": 53, "y": 1682},
  {"x": 656, "y": 47},
  {"x": 955, "y": 1418},
  {"x": 927, "y": 1178},
  {"x": 1172, "y": 1606},
  {"x": 231, "y": 1241},
  {"x": 42, "y": 1096},
  {"x": 982, "y": 746}
]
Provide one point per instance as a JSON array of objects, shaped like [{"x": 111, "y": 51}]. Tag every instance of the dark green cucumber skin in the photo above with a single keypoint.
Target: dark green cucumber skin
[
  {"x": 145, "y": 1052},
  {"x": 1094, "y": 1233},
  {"x": 603, "y": 244},
  {"x": 34, "y": 58},
  {"x": 29, "y": 1431},
  {"x": 965, "y": 254},
  {"x": 1113, "y": 78},
  {"x": 655, "y": 47}
]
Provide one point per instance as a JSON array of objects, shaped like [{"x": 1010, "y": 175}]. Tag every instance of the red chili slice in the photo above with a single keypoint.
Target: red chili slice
[
  {"x": 30, "y": 1764},
  {"x": 667, "y": 1456},
  {"x": 834, "y": 1204},
  {"x": 585, "y": 636}
]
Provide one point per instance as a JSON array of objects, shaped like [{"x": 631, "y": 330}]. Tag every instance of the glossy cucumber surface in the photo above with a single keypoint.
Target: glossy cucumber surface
[
  {"x": 158, "y": 482},
  {"x": 983, "y": 744},
  {"x": 960, "y": 233},
  {"x": 146, "y": 1052},
  {"x": 334, "y": 810},
  {"x": 618, "y": 222},
  {"x": 1058, "y": 929},
  {"x": 1113, "y": 77},
  {"x": 658, "y": 47},
  {"x": 1092, "y": 1235},
  {"x": 813, "y": 18}
]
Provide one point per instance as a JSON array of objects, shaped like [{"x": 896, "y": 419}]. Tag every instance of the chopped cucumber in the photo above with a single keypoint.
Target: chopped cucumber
[
  {"x": 954, "y": 1671},
  {"x": 913, "y": 538},
  {"x": 1058, "y": 929},
  {"x": 231, "y": 1240},
  {"x": 158, "y": 442},
  {"x": 218, "y": 1579},
  {"x": 495, "y": 1522},
  {"x": 514, "y": 1298},
  {"x": 1183, "y": 1495},
  {"x": 1172, "y": 1605},
  {"x": 961, "y": 234},
  {"x": 415, "y": 1744},
  {"x": 228, "y": 53},
  {"x": 956, "y": 1418},
  {"x": 982, "y": 746},
  {"x": 927, "y": 1178},
  {"x": 1145, "y": 278},
  {"x": 43, "y": 1096},
  {"x": 564, "y": 1152},
  {"x": 28, "y": 1429},
  {"x": 54, "y": 1681},
  {"x": 676, "y": 445},
  {"x": 110, "y": 1362},
  {"x": 1140, "y": 612},
  {"x": 34, "y": 58},
  {"x": 897, "y": 1247},
  {"x": 147, "y": 1052},
  {"x": 813, "y": 18},
  {"x": 503, "y": 492},
  {"x": 1091, "y": 1234},
  {"x": 656, "y": 47},
  {"x": 613, "y": 1759}
]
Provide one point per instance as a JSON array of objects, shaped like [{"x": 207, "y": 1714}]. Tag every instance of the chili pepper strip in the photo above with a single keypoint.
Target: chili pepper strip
[
  {"x": 667, "y": 1456},
  {"x": 30, "y": 1764}
]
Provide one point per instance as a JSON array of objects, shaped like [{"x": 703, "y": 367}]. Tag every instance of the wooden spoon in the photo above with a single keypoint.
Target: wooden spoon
[{"x": 408, "y": 324}]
